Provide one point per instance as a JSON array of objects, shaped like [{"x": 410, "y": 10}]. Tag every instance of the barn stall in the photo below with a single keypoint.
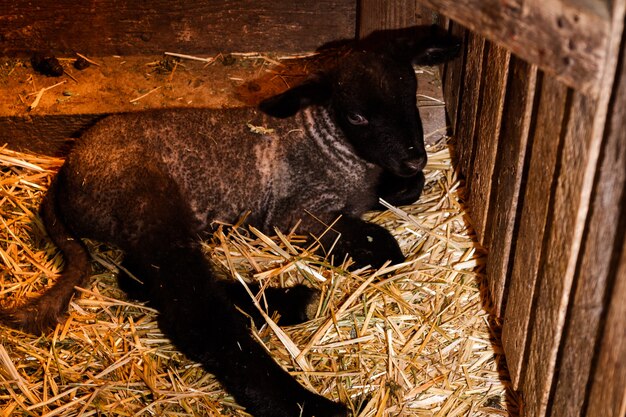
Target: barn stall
[{"x": 526, "y": 203}]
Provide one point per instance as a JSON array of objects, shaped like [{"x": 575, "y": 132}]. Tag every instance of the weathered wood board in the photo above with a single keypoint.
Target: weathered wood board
[
  {"x": 564, "y": 227},
  {"x": 469, "y": 102},
  {"x": 546, "y": 174},
  {"x": 126, "y": 84},
  {"x": 532, "y": 220},
  {"x": 110, "y": 27},
  {"x": 452, "y": 76},
  {"x": 545, "y": 171},
  {"x": 507, "y": 178},
  {"x": 596, "y": 281},
  {"x": 568, "y": 39},
  {"x": 486, "y": 136},
  {"x": 607, "y": 395},
  {"x": 390, "y": 14}
]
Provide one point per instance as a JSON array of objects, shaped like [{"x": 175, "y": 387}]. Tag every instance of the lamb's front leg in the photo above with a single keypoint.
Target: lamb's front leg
[{"x": 366, "y": 243}]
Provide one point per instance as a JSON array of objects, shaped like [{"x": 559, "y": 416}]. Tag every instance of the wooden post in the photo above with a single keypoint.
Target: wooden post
[{"x": 452, "y": 78}]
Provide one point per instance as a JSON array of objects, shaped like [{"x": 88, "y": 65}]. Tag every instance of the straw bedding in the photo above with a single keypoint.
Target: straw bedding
[{"x": 410, "y": 340}]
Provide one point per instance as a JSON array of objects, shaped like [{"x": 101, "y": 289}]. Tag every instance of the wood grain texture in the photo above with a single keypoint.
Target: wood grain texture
[
  {"x": 516, "y": 124},
  {"x": 532, "y": 221},
  {"x": 390, "y": 14},
  {"x": 603, "y": 242},
  {"x": 607, "y": 396},
  {"x": 111, "y": 27},
  {"x": 468, "y": 107},
  {"x": 564, "y": 228},
  {"x": 486, "y": 134},
  {"x": 452, "y": 77},
  {"x": 566, "y": 39},
  {"x": 595, "y": 281},
  {"x": 562, "y": 257}
]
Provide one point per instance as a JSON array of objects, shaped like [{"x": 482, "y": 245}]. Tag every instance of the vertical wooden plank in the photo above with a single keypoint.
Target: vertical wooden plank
[
  {"x": 560, "y": 252},
  {"x": 390, "y": 14},
  {"x": 493, "y": 89},
  {"x": 607, "y": 394},
  {"x": 607, "y": 397},
  {"x": 593, "y": 278},
  {"x": 441, "y": 20},
  {"x": 507, "y": 178},
  {"x": 468, "y": 108},
  {"x": 532, "y": 221},
  {"x": 572, "y": 196},
  {"x": 603, "y": 245},
  {"x": 453, "y": 77}
]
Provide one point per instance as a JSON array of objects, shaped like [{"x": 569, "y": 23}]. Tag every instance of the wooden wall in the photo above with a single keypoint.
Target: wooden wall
[
  {"x": 390, "y": 14},
  {"x": 109, "y": 27},
  {"x": 537, "y": 106},
  {"x": 544, "y": 156}
]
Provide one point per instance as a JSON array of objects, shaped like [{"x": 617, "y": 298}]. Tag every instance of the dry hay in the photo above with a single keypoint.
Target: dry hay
[{"x": 411, "y": 340}]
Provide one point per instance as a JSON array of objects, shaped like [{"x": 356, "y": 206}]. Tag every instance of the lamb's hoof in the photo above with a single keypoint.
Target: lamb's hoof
[
  {"x": 375, "y": 247},
  {"x": 299, "y": 305}
]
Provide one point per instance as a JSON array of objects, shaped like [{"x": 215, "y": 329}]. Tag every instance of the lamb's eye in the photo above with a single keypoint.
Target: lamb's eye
[{"x": 357, "y": 119}]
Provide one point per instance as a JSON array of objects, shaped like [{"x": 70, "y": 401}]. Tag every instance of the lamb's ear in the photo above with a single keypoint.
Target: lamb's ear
[
  {"x": 315, "y": 90},
  {"x": 436, "y": 50},
  {"x": 421, "y": 45}
]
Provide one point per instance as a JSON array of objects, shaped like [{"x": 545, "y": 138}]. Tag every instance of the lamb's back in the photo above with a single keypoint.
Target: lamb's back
[{"x": 225, "y": 163}]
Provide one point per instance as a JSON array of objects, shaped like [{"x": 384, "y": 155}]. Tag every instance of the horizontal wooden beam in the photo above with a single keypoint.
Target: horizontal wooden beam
[
  {"x": 569, "y": 41},
  {"x": 109, "y": 27}
]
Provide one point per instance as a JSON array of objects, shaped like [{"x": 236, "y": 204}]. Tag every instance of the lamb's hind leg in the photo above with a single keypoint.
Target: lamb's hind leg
[
  {"x": 130, "y": 280},
  {"x": 294, "y": 305},
  {"x": 200, "y": 319}
]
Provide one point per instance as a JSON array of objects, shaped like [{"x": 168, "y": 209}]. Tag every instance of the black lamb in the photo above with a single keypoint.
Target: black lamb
[{"x": 154, "y": 183}]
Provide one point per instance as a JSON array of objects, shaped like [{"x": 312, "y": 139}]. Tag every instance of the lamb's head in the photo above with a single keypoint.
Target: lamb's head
[{"x": 371, "y": 95}]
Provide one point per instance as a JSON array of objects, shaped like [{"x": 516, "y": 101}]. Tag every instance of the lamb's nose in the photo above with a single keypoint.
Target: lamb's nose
[{"x": 414, "y": 164}]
